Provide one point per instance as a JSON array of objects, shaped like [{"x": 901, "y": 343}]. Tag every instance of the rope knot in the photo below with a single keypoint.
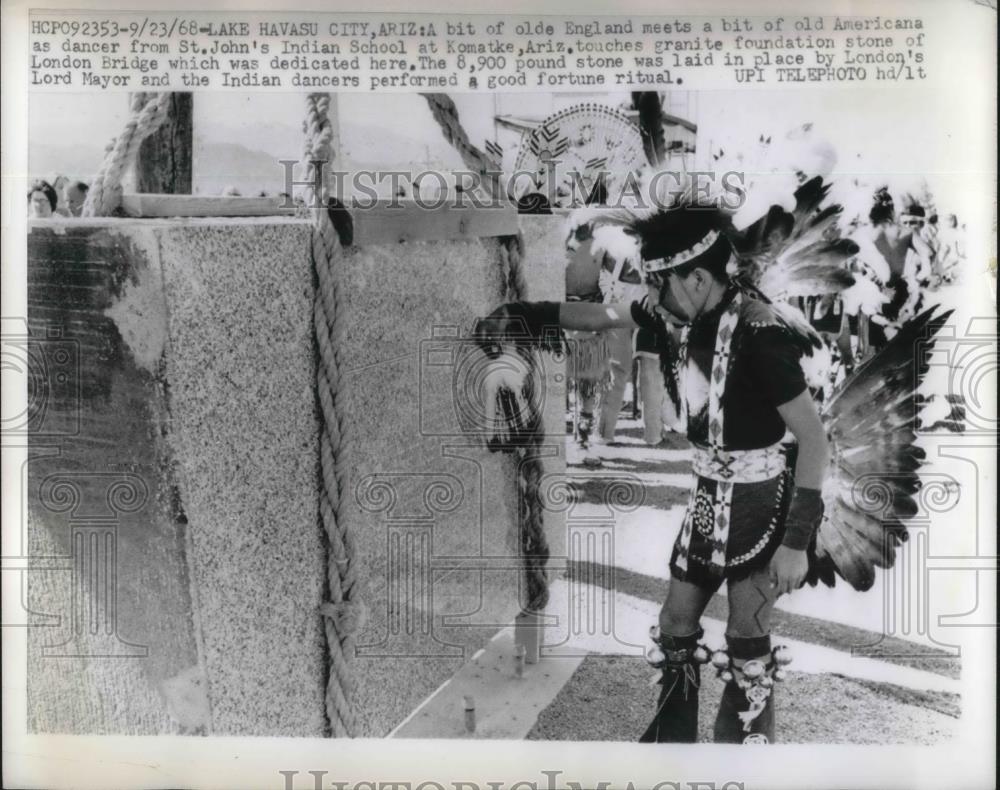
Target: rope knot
[
  {"x": 148, "y": 113},
  {"x": 349, "y": 617}
]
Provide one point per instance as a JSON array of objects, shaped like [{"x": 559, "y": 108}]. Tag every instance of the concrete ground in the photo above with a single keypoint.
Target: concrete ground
[
  {"x": 609, "y": 699},
  {"x": 593, "y": 683},
  {"x": 864, "y": 670}
]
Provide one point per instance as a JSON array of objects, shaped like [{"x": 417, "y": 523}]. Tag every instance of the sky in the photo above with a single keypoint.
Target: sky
[
  {"x": 879, "y": 137},
  {"x": 876, "y": 139}
]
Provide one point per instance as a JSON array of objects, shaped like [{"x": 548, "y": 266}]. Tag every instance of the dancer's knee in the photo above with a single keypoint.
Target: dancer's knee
[
  {"x": 677, "y": 622},
  {"x": 682, "y": 610}
]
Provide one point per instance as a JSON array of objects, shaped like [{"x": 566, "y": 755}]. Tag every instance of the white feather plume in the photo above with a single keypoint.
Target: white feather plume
[
  {"x": 764, "y": 191},
  {"x": 615, "y": 242},
  {"x": 772, "y": 172},
  {"x": 817, "y": 367},
  {"x": 870, "y": 256},
  {"x": 864, "y": 296}
]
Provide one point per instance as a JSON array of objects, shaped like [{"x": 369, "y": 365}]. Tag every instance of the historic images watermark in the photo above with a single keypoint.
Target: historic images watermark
[
  {"x": 534, "y": 190},
  {"x": 49, "y": 365},
  {"x": 320, "y": 780}
]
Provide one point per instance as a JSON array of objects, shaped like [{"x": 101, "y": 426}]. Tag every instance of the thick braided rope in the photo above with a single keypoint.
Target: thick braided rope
[
  {"x": 512, "y": 252},
  {"x": 446, "y": 114},
  {"x": 147, "y": 114},
  {"x": 534, "y": 545},
  {"x": 343, "y": 615}
]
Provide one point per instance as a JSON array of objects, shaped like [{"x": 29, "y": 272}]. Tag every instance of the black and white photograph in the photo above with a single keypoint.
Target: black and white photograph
[{"x": 561, "y": 406}]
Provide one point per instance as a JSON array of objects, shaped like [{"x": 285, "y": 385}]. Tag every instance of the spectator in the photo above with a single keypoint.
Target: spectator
[
  {"x": 907, "y": 260},
  {"x": 919, "y": 251},
  {"x": 42, "y": 200},
  {"x": 931, "y": 230},
  {"x": 58, "y": 182},
  {"x": 951, "y": 248},
  {"x": 74, "y": 196}
]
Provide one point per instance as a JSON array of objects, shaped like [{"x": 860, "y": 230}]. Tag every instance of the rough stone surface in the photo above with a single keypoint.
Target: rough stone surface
[
  {"x": 434, "y": 513},
  {"x": 191, "y": 379},
  {"x": 191, "y": 365},
  {"x": 545, "y": 251},
  {"x": 243, "y": 432},
  {"x": 100, "y": 488}
]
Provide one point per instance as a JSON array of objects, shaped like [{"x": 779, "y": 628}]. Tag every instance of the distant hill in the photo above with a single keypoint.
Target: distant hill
[
  {"x": 255, "y": 166},
  {"x": 218, "y": 166},
  {"x": 78, "y": 161}
]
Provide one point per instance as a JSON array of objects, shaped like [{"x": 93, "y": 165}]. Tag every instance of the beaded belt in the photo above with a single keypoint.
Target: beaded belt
[{"x": 739, "y": 466}]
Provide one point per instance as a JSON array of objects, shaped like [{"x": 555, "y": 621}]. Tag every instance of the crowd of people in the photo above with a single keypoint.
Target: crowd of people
[
  {"x": 907, "y": 252},
  {"x": 616, "y": 366},
  {"x": 904, "y": 254},
  {"x": 58, "y": 197}
]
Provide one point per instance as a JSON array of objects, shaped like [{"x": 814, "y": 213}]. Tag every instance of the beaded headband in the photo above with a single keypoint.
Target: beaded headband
[{"x": 682, "y": 257}]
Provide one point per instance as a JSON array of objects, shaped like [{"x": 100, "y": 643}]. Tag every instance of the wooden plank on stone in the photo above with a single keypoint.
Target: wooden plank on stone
[
  {"x": 404, "y": 220},
  {"x": 143, "y": 204},
  {"x": 387, "y": 222}
]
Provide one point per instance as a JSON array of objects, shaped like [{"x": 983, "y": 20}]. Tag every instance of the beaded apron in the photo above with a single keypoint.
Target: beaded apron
[{"x": 725, "y": 467}]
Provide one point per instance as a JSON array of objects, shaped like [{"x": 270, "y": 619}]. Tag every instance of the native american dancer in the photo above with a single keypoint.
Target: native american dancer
[
  {"x": 763, "y": 515},
  {"x": 895, "y": 255},
  {"x": 599, "y": 363},
  {"x": 587, "y": 352}
]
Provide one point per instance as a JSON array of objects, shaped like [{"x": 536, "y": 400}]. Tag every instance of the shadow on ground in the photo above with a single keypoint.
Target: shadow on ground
[{"x": 610, "y": 699}]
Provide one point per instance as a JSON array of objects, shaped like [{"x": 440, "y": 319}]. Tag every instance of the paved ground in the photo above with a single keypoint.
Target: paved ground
[
  {"x": 609, "y": 699},
  {"x": 849, "y": 682}
]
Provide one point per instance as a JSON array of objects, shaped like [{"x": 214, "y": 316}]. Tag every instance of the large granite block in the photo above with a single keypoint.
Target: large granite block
[
  {"x": 436, "y": 514},
  {"x": 173, "y": 482},
  {"x": 191, "y": 398}
]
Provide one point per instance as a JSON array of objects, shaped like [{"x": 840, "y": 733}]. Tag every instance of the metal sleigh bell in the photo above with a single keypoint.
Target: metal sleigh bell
[
  {"x": 782, "y": 655},
  {"x": 655, "y": 656},
  {"x": 720, "y": 659}
]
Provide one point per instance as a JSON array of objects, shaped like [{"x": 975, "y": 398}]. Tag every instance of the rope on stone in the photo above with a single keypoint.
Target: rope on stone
[
  {"x": 446, "y": 114},
  {"x": 344, "y": 614},
  {"x": 530, "y": 469},
  {"x": 512, "y": 257},
  {"x": 147, "y": 113},
  {"x": 534, "y": 546}
]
